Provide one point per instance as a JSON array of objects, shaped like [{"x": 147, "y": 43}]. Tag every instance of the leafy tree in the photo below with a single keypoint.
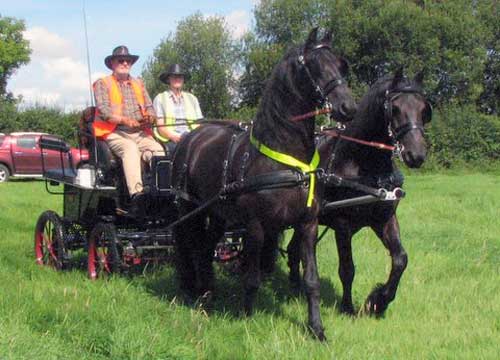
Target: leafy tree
[
  {"x": 204, "y": 47},
  {"x": 489, "y": 13},
  {"x": 14, "y": 49},
  {"x": 448, "y": 39}
]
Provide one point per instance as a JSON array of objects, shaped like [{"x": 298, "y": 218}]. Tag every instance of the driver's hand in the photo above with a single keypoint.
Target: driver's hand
[
  {"x": 148, "y": 120},
  {"x": 131, "y": 123}
]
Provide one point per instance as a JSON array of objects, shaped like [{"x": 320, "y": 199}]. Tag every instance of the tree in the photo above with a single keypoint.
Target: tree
[
  {"x": 447, "y": 39},
  {"x": 14, "y": 49},
  {"x": 204, "y": 47},
  {"x": 489, "y": 102}
]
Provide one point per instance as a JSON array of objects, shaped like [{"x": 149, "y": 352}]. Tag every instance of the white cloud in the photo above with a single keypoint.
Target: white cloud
[
  {"x": 46, "y": 44},
  {"x": 55, "y": 76},
  {"x": 239, "y": 22}
]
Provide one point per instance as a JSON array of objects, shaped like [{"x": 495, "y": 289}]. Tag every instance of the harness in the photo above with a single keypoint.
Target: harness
[{"x": 293, "y": 162}]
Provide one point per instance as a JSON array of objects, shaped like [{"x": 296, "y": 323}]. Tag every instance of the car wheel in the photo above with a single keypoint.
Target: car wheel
[{"x": 4, "y": 173}]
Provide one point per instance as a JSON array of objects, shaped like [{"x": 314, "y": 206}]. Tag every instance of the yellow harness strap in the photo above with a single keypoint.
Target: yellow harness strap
[{"x": 291, "y": 161}]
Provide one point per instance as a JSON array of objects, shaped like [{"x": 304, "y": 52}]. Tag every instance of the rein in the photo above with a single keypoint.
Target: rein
[
  {"x": 311, "y": 114},
  {"x": 374, "y": 144}
]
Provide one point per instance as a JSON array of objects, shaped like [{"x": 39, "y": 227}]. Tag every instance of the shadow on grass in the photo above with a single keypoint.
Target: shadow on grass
[{"x": 227, "y": 301}]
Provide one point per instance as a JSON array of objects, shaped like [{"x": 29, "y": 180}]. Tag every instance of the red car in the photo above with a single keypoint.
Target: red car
[{"x": 21, "y": 156}]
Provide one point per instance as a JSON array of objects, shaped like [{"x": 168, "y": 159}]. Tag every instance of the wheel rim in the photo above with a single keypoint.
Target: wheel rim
[
  {"x": 98, "y": 255},
  {"x": 3, "y": 175},
  {"x": 46, "y": 249}
]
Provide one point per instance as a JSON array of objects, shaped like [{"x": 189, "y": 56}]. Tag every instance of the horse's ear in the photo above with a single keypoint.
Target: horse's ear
[
  {"x": 398, "y": 76},
  {"x": 344, "y": 67},
  {"x": 419, "y": 77},
  {"x": 312, "y": 39},
  {"x": 327, "y": 39}
]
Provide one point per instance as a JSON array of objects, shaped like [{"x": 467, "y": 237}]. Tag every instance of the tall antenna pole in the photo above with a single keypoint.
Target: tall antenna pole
[{"x": 88, "y": 54}]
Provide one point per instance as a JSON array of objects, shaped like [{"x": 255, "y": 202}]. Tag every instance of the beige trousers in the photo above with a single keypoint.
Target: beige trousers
[{"x": 131, "y": 148}]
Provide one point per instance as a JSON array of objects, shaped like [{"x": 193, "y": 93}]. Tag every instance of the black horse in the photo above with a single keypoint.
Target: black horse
[
  {"x": 393, "y": 111},
  {"x": 215, "y": 155}
]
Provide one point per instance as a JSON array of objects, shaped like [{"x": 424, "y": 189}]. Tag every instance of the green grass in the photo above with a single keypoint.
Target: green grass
[{"x": 447, "y": 306}]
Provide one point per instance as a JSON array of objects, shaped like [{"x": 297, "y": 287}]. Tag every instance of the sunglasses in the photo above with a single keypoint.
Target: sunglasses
[{"x": 123, "y": 61}]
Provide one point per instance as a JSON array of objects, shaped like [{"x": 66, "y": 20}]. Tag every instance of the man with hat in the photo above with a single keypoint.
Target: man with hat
[
  {"x": 123, "y": 113},
  {"x": 177, "y": 110}
]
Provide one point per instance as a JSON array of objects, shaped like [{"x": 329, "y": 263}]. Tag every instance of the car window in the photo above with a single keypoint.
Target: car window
[
  {"x": 26, "y": 142},
  {"x": 2, "y": 138}
]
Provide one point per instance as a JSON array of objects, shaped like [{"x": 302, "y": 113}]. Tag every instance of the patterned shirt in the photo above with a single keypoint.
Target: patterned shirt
[
  {"x": 179, "y": 112},
  {"x": 131, "y": 106}
]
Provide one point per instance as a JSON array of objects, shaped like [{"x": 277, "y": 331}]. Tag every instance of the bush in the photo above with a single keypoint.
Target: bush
[
  {"x": 461, "y": 135},
  {"x": 40, "y": 118}
]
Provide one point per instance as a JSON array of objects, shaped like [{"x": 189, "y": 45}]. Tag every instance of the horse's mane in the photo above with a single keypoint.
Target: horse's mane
[{"x": 280, "y": 93}]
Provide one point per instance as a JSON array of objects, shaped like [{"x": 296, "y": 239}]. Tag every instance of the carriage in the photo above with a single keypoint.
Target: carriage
[{"x": 95, "y": 231}]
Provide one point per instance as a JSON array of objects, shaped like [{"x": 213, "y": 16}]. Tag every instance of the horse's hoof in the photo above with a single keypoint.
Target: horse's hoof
[
  {"x": 347, "y": 309},
  {"x": 205, "y": 300},
  {"x": 295, "y": 287},
  {"x": 319, "y": 334},
  {"x": 376, "y": 305}
]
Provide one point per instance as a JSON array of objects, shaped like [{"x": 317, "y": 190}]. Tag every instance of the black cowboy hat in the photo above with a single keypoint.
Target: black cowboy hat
[
  {"x": 122, "y": 52},
  {"x": 174, "y": 69}
]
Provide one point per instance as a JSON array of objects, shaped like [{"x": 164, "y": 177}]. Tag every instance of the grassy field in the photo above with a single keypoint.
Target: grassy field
[{"x": 447, "y": 306}]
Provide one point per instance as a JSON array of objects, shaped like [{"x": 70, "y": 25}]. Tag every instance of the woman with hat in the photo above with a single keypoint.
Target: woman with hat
[
  {"x": 177, "y": 110},
  {"x": 123, "y": 106}
]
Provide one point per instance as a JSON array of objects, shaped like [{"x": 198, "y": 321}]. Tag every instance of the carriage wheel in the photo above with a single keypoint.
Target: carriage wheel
[
  {"x": 49, "y": 245},
  {"x": 104, "y": 256}
]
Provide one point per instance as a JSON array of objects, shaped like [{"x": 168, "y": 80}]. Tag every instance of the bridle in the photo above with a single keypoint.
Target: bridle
[
  {"x": 397, "y": 133},
  {"x": 330, "y": 85}
]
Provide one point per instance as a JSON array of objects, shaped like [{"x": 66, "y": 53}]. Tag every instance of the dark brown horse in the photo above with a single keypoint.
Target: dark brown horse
[
  {"x": 214, "y": 155},
  {"x": 393, "y": 110}
]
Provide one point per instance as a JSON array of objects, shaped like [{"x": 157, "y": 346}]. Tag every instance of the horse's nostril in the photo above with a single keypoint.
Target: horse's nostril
[{"x": 347, "y": 109}]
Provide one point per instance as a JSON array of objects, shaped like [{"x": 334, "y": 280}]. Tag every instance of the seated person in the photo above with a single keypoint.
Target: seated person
[
  {"x": 123, "y": 115},
  {"x": 176, "y": 109}
]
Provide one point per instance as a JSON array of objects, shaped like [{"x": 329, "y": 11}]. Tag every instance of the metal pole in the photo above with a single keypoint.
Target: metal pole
[{"x": 88, "y": 54}]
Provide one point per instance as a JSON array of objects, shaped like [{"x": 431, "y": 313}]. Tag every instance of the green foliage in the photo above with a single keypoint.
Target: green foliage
[
  {"x": 204, "y": 47},
  {"x": 462, "y": 135},
  {"x": 447, "y": 39},
  {"x": 489, "y": 102},
  {"x": 40, "y": 118},
  {"x": 8, "y": 114},
  {"x": 14, "y": 49},
  {"x": 243, "y": 113}
]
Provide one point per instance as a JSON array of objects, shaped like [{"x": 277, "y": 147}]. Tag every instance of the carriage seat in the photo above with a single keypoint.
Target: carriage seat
[{"x": 100, "y": 154}]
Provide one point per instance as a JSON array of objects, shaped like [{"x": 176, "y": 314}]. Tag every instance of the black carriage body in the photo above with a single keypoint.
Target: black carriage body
[{"x": 87, "y": 206}]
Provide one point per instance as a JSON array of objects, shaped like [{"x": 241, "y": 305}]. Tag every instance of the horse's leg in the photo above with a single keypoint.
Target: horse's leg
[
  {"x": 184, "y": 257},
  {"x": 269, "y": 252},
  {"x": 343, "y": 237},
  {"x": 205, "y": 249},
  {"x": 380, "y": 297},
  {"x": 252, "y": 277},
  {"x": 293, "y": 251},
  {"x": 307, "y": 233}
]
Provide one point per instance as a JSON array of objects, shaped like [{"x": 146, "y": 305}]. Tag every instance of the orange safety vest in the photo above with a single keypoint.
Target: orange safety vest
[{"x": 103, "y": 128}]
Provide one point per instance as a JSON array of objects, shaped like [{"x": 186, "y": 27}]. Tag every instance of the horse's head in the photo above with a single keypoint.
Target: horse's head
[
  {"x": 406, "y": 111},
  {"x": 322, "y": 74}
]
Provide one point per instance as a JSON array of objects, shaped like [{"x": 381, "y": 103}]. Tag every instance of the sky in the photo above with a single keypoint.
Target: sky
[{"x": 57, "y": 74}]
